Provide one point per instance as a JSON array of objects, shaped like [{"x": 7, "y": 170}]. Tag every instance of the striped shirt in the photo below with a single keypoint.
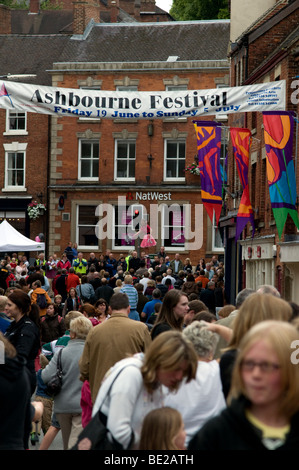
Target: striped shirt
[{"x": 131, "y": 293}]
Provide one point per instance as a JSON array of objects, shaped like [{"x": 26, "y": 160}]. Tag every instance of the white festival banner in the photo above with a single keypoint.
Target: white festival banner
[{"x": 95, "y": 104}]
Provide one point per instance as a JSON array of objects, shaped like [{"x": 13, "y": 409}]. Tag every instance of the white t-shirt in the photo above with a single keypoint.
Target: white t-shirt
[
  {"x": 200, "y": 399},
  {"x": 128, "y": 402}
]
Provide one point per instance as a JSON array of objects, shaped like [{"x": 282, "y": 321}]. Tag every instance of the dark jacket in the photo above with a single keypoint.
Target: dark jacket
[
  {"x": 162, "y": 288},
  {"x": 208, "y": 298},
  {"x": 60, "y": 286},
  {"x": 3, "y": 276},
  {"x": 231, "y": 430},
  {"x": 134, "y": 263},
  {"x": 25, "y": 337},
  {"x": 104, "y": 292},
  {"x": 160, "y": 328},
  {"x": 15, "y": 411},
  {"x": 226, "y": 365},
  {"x": 52, "y": 327}
]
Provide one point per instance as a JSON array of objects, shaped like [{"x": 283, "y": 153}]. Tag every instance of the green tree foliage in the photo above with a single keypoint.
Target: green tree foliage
[
  {"x": 189, "y": 10},
  {"x": 24, "y": 4},
  {"x": 15, "y": 4}
]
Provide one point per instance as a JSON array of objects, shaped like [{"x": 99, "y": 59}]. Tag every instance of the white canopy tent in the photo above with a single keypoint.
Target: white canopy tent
[{"x": 12, "y": 240}]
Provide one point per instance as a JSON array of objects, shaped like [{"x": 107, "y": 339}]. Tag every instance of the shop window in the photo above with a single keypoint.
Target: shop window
[
  {"x": 173, "y": 227},
  {"x": 126, "y": 223},
  {"x": 86, "y": 224}
]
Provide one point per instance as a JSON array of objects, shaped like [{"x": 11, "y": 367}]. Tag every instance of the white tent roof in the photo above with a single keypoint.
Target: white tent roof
[{"x": 12, "y": 240}]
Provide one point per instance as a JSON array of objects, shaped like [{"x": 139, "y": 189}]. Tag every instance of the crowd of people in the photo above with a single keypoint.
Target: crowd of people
[{"x": 148, "y": 345}]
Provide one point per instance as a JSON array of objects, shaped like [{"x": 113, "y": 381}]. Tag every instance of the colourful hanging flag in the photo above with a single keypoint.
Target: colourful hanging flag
[
  {"x": 241, "y": 143},
  {"x": 209, "y": 151},
  {"x": 278, "y": 133}
]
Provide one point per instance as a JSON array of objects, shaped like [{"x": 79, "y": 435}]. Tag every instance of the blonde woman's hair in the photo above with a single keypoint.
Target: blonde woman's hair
[
  {"x": 167, "y": 351},
  {"x": 282, "y": 337},
  {"x": 81, "y": 326},
  {"x": 159, "y": 429},
  {"x": 256, "y": 308}
]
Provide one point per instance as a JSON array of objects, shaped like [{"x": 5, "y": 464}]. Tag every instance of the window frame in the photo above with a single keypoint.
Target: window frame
[
  {"x": 171, "y": 88},
  {"x": 128, "y": 142},
  {"x": 93, "y": 88},
  {"x": 177, "y": 142},
  {"x": 215, "y": 247},
  {"x": 171, "y": 247},
  {"x": 117, "y": 227},
  {"x": 91, "y": 159},
  {"x": 8, "y": 130},
  {"x": 78, "y": 226},
  {"x": 14, "y": 148}
]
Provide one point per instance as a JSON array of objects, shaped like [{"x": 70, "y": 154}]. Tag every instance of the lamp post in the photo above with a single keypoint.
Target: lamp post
[{"x": 20, "y": 76}]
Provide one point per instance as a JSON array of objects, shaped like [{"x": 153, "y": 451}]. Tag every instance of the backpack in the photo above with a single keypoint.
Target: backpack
[{"x": 41, "y": 301}]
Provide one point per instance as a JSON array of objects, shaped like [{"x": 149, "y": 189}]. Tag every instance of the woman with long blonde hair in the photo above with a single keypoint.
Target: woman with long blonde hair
[
  {"x": 263, "y": 405},
  {"x": 256, "y": 308}
]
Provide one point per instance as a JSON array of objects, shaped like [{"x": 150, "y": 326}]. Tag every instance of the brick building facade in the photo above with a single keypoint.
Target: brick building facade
[
  {"x": 87, "y": 163},
  {"x": 149, "y": 141}
]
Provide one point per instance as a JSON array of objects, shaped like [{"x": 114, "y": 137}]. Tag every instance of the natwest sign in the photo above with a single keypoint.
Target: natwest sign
[{"x": 152, "y": 196}]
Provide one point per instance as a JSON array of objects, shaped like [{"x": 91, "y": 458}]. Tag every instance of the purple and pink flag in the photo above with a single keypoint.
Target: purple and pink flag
[
  {"x": 241, "y": 144},
  {"x": 208, "y": 135}
]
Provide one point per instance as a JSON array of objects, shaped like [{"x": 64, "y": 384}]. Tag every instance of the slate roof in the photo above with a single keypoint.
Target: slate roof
[
  {"x": 25, "y": 54},
  {"x": 61, "y": 21},
  {"x": 44, "y": 22},
  {"x": 139, "y": 42},
  {"x": 130, "y": 42}
]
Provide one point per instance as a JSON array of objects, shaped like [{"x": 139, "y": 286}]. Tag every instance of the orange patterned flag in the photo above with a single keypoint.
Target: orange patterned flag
[{"x": 278, "y": 132}]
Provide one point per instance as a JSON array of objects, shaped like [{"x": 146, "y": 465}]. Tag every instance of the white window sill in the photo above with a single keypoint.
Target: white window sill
[
  {"x": 14, "y": 189},
  {"x": 17, "y": 132}
]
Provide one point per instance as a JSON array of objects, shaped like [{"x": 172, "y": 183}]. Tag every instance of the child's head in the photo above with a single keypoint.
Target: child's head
[
  {"x": 57, "y": 299},
  {"x": 163, "y": 429}
]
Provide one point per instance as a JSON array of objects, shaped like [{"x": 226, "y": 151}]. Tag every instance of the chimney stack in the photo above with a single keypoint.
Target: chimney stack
[
  {"x": 34, "y": 7},
  {"x": 5, "y": 20},
  {"x": 114, "y": 10}
]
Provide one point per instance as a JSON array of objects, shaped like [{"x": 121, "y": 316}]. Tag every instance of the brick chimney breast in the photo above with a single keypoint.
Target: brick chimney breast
[{"x": 5, "y": 20}]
